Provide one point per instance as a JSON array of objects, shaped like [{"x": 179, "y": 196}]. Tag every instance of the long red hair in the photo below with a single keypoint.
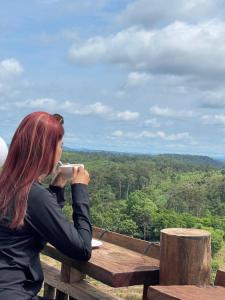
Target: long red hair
[{"x": 31, "y": 154}]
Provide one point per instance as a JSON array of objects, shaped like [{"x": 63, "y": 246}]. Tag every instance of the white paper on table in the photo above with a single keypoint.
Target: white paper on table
[{"x": 96, "y": 243}]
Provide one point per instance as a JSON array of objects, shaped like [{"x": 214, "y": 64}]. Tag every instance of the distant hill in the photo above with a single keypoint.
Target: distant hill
[
  {"x": 196, "y": 160},
  {"x": 193, "y": 160}
]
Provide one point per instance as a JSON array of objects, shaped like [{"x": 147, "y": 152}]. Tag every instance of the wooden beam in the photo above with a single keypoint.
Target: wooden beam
[
  {"x": 137, "y": 245},
  {"x": 186, "y": 292}
]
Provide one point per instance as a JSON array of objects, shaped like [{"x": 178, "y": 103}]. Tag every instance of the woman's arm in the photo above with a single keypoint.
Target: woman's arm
[{"x": 45, "y": 217}]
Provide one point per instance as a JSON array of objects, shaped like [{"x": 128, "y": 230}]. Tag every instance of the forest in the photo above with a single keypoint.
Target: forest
[{"x": 138, "y": 195}]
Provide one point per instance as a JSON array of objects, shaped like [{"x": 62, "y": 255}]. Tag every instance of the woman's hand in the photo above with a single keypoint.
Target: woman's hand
[
  {"x": 58, "y": 179},
  {"x": 80, "y": 175}
]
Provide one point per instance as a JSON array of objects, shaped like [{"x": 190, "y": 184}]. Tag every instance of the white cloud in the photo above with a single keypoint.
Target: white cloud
[
  {"x": 37, "y": 103},
  {"x": 67, "y": 106},
  {"x": 95, "y": 109},
  {"x": 90, "y": 52},
  {"x": 179, "y": 49},
  {"x": 11, "y": 81},
  {"x": 137, "y": 79},
  {"x": 213, "y": 119},
  {"x": 164, "y": 136},
  {"x": 152, "y": 135},
  {"x": 214, "y": 99},
  {"x": 178, "y": 136},
  {"x": 10, "y": 67},
  {"x": 152, "y": 122},
  {"x": 168, "y": 112},
  {"x": 117, "y": 133},
  {"x": 127, "y": 115},
  {"x": 157, "y": 12}
]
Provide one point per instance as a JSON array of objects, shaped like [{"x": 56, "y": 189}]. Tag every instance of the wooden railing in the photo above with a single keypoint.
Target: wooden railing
[{"x": 121, "y": 261}]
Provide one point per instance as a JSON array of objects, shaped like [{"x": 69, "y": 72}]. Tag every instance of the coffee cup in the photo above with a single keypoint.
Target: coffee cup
[{"x": 67, "y": 170}]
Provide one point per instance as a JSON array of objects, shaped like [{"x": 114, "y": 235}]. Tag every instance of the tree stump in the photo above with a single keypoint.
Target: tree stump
[{"x": 185, "y": 257}]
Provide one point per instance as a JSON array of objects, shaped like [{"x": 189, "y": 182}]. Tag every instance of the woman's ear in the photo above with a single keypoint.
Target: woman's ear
[{"x": 3, "y": 151}]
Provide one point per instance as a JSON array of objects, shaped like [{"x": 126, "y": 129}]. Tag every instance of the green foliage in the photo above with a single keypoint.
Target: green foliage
[
  {"x": 141, "y": 209},
  {"x": 215, "y": 266},
  {"x": 112, "y": 216},
  {"x": 139, "y": 195},
  {"x": 217, "y": 237},
  {"x": 67, "y": 210}
]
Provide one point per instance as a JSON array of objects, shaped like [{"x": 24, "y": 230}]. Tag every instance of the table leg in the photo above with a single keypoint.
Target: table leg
[{"x": 145, "y": 292}]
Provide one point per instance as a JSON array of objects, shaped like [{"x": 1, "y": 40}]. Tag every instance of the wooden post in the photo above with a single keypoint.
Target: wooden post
[
  {"x": 70, "y": 275},
  {"x": 145, "y": 292},
  {"x": 61, "y": 296},
  {"x": 49, "y": 291},
  {"x": 185, "y": 257}
]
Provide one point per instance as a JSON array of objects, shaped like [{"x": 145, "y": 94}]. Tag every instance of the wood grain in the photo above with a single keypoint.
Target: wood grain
[
  {"x": 186, "y": 292},
  {"x": 220, "y": 278},
  {"x": 185, "y": 256},
  {"x": 137, "y": 245},
  {"x": 69, "y": 274},
  {"x": 114, "y": 265}
]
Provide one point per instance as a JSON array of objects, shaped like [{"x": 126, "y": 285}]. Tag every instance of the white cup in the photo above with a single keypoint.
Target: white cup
[{"x": 67, "y": 170}]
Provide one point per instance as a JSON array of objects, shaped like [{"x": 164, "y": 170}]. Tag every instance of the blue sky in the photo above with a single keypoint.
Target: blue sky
[{"x": 142, "y": 76}]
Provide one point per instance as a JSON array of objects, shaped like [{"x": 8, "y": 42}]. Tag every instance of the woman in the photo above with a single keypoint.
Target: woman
[{"x": 30, "y": 215}]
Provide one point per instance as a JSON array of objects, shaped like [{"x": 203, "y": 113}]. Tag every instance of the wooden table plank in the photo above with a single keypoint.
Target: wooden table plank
[
  {"x": 220, "y": 278},
  {"x": 186, "y": 292},
  {"x": 114, "y": 265}
]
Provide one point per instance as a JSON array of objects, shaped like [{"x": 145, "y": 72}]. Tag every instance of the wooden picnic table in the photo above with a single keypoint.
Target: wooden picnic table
[
  {"x": 120, "y": 261},
  {"x": 114, "y": 265},
  {"x": 186, "y": 292}
]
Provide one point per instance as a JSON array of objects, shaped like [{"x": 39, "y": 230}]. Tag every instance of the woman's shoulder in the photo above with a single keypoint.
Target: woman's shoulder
[
  {"x": 38, "y": 194},
  {"x": 37, "y": 188}
]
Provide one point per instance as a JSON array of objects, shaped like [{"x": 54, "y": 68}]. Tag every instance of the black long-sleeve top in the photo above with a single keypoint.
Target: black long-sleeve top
[{"x": 21, "y": 275}]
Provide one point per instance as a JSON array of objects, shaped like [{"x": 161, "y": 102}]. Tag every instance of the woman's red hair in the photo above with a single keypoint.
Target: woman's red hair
[{"x": 31, "y": 154}]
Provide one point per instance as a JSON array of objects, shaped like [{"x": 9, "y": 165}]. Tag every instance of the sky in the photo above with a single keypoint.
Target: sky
[{"x": 140, "y": 76}]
